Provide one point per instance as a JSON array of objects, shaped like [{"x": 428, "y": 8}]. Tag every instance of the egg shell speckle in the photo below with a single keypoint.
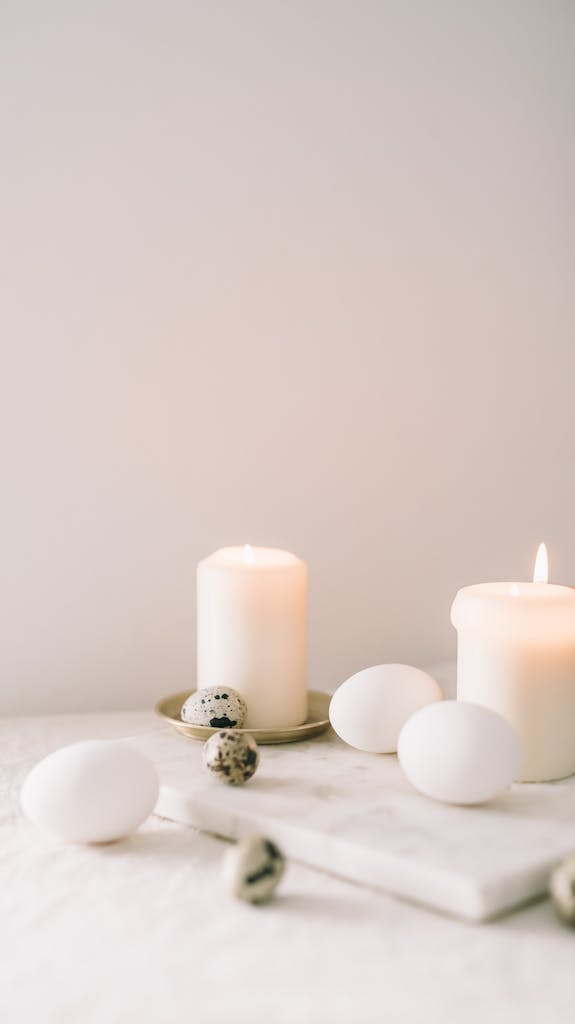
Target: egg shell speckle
[
  {"x": 96, "y": 791},
  {"x": 458, "y": 752},
  {"x": 218, "y": 707},
  {"x": 232, "y": 756},
  {"x": 370, "y": 708}
]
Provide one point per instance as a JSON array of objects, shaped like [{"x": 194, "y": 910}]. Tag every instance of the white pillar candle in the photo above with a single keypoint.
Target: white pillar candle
[
  {"x": 252, "y": 631},
  {"x": 516, "y": 655}
]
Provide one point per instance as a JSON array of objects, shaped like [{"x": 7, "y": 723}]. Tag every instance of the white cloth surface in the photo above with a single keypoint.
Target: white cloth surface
[{"x": 140, "y": 932}]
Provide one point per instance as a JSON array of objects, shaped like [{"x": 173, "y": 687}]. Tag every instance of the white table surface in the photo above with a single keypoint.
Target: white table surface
[{"x": 140, "y": 931}]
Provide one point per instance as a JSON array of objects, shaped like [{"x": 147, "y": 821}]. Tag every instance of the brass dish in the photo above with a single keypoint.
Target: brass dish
[{"x": 317, "y": 720}]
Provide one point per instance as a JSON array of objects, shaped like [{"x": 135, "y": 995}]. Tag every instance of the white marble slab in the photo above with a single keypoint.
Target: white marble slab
[{"x": 355, "y": 815}]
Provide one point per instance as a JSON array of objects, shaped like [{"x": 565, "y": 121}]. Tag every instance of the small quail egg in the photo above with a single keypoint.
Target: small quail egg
[
  {"x": 232, "y": 756},
  {"x": 217, "y": 706},
  {"x": 252, "y": 869},
  {"x": 562, "y": 889}
]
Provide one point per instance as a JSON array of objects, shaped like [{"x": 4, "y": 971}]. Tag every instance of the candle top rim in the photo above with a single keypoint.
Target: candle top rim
[
  {"x": 257, "y": 558},
  {"x": 535, "y": 612},
  {"x": 519, "y": 591}
]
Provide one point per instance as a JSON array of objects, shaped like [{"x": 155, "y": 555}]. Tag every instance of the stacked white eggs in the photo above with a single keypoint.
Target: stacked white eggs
[{"x": 452, "y": 751}]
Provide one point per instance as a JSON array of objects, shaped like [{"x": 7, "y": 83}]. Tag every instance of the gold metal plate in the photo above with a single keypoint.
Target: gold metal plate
[{"x": 317, "y": 720}]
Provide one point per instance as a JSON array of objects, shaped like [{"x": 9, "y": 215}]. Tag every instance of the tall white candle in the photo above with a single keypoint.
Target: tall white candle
[
  {"x": 516, "y": 655},
  {"x": 252, "y": 631}
]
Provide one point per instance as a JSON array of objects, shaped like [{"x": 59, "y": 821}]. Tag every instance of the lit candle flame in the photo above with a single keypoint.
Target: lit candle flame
[
  {"x": 514, "y": 590},
  {"x": 541, "y": 571},
  {"x": 248, "y": 553}
]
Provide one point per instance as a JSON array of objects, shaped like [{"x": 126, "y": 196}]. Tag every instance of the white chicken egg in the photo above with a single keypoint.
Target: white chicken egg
[
  {"x": 91, "y": 792},
  {"x": 369, "y": 710},
  {"x": 459, "y": 753}
]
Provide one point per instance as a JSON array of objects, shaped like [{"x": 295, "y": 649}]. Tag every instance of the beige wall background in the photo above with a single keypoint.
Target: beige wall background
[{"x": 298, "y": 274}]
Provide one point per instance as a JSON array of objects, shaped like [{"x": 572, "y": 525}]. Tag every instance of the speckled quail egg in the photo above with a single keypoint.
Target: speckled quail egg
[
  {"x": 232, "y": 756},
  {"x": 217, "y": 706},
  {"x": 252, "y": 869},
  {"x": 562, "y": 889}
]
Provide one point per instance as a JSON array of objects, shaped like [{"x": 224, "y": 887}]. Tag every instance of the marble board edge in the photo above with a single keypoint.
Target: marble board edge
[{"x": 459, "y": 896}]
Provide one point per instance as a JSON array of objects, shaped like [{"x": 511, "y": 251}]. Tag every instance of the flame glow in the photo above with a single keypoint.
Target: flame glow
[
  {"x": 541, "y": 571},
  {"x": 514, "y": 590},
  {"x": 248, "y": 553}
]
